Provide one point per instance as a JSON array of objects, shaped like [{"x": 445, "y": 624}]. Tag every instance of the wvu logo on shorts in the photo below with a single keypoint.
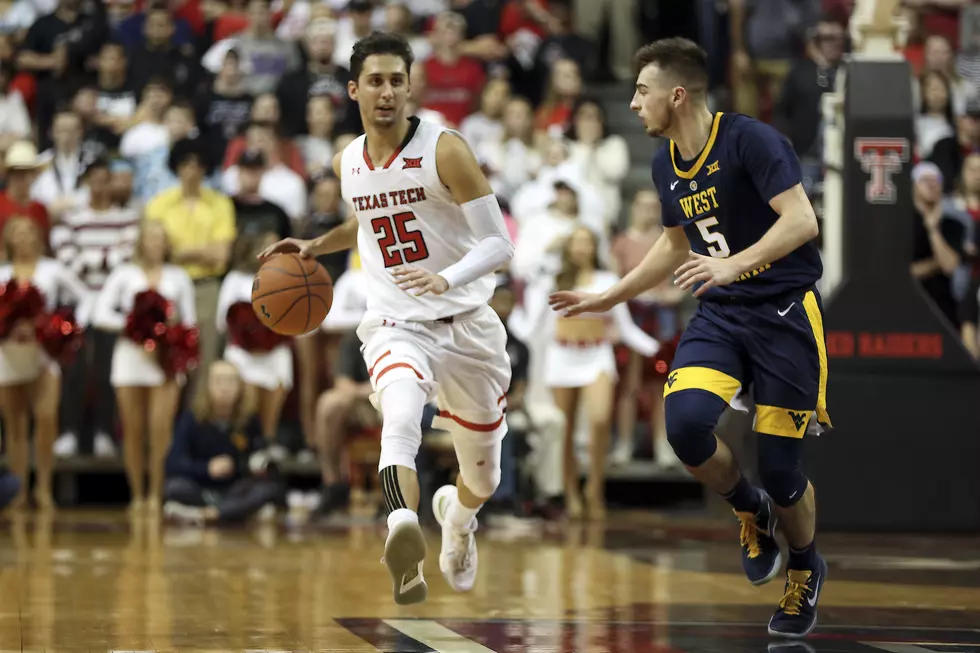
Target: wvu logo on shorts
[
  {"x": 799, "y": 419},
  {"x": 671, "y": 379}
]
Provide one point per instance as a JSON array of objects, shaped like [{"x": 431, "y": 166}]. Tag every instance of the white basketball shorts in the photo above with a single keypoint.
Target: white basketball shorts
[{"x": 462, "y": 364}]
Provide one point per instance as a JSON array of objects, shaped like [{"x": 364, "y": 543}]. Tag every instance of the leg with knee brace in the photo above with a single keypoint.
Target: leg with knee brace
[
  {"x": 691, "y": 416},
  {"x": 780, "y": 468},
  {"x": 478, "y": 455},
  {"x": 401, "y": 436}
]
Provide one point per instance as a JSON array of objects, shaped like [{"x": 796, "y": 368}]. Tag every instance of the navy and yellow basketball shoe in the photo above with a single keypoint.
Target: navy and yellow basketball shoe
[
  {"x": 761, "y": 558},
  {"x": 796, "y": 615}
]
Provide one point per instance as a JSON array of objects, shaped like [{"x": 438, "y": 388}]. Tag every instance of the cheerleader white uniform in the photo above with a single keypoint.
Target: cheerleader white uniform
[
  {"x": 576, "y": 365},
  {"x": 22, "y": 362},
  {"x": 268, "y": 370},
  {"x": 131, "y": 364}
]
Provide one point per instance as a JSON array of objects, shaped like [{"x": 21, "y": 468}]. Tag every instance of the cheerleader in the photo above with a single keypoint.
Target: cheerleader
[
  {"x": 144, "y": 391},
  {"x": 268, "y": 375},
  {"x": 30, "y": 382},
  {"x": 580, "y": 365}
]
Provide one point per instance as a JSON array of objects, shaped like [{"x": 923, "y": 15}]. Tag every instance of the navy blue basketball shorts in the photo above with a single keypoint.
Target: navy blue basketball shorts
[{"x": 775, "y": 347}]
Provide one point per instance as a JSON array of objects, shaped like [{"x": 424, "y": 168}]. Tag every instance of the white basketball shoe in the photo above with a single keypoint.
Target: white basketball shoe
[
  {"x": 404, "y": 557},
  {"x": 457, "y": 559}
]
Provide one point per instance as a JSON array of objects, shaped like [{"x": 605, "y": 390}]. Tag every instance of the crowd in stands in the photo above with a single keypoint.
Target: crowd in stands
[{"x": 158, "y": 144}]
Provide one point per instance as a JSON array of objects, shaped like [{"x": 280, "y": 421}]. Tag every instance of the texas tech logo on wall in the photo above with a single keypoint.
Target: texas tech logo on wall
[{"x": 881, "y": 158}]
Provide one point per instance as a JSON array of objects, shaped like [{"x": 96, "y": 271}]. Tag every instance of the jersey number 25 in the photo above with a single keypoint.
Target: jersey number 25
[{"x": 399, "y": 244}]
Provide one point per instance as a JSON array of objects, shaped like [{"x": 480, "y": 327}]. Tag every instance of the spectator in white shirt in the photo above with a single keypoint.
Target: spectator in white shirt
[
  {"x": 352, "y": 28},
  {"x": 279, "y": 184},
  {"x": 487, "y": 124},
  {"x": 316, "y": 147},
  {"x": 150, "y": 132},
  {"x": 512, "y": 159},
  {"x": 92, "y": 240},
  {"x": 15, "y": 121},
  {"x": 149, "y": 149},
  {"x": 603, "y": 159},
  {"x": 398, "y": 20},
  {"x": 58, "y": 187}
]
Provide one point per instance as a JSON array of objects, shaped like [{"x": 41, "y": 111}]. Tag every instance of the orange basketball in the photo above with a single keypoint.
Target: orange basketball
[{"x": 292, "y": 295}]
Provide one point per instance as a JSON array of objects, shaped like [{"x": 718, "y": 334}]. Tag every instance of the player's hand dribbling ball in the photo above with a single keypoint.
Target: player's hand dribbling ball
[{"x": 291, "y": 294}]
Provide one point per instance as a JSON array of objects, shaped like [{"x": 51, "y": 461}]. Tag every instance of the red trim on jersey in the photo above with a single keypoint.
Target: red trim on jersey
[
  {"x": 470, "y": 426},
  {"x": 413, "y": 127},
  {"x": 395, "y": 366},
  {"x": 371, "y": 371}
]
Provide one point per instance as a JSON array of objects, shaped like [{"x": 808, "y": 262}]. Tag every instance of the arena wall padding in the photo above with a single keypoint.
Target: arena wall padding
[{"x": 903, "y": 393}]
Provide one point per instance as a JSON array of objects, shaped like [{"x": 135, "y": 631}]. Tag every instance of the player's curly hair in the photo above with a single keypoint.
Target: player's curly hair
[
  {"x": 679, "y": 56},
  {"x": 380, "y": 43}
]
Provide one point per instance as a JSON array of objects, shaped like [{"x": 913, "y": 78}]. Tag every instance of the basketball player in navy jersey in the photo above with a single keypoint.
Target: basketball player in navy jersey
[{"x": 738, "y": 232}]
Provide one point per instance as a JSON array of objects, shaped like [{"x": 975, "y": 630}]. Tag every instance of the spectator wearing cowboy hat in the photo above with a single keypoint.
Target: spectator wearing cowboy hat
[{"x": 22, "y": 165}]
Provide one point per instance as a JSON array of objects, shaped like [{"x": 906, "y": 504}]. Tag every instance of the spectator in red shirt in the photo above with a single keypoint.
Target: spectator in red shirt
[
  {"x": 454, "y": 82},
  {"x": 564, "y": 88},
  {"x": 22, "y": 164}
]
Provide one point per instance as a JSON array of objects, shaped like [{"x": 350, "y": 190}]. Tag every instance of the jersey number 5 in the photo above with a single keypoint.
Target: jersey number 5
[
  {"x": 717, "y": 245},
  {"x": 392, "y": 232}
]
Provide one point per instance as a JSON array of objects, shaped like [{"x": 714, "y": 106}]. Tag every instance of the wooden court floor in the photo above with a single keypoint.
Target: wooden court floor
[{"x": 97, "y": 581}]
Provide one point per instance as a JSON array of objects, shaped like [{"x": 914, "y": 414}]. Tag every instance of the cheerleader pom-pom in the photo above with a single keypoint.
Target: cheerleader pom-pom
[
  {"x": 146, "y": 323},
  {"x": 179, "y": 349},
  {"x": 60, "y": 335},
  {"x": 665, "y": 357},
  {"x": 245, "y": 330},
  {"x": 18, "y": 302}
]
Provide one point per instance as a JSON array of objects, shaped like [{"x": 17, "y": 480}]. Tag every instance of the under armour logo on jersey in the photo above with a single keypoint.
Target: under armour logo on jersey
[
  {"x": 411, "y": 163},
  {"x": 355, "y": 171}
]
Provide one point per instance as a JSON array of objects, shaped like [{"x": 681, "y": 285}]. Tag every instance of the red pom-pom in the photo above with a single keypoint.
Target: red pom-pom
[
  {"x": 180, "y": 349},
  {"x": 176, "y": 346},
  {"x": 18, "y": 303},
  {"x": 663, "y": 359},
  {"x": 60, "y": 335},
  {"x": 245, "y": 330}
]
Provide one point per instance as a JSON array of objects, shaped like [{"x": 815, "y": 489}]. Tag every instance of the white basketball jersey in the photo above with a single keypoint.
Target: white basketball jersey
[{"x": 407, "y": 216}]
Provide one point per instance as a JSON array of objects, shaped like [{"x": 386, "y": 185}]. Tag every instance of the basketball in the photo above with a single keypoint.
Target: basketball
[{"x": 292, "y": 295}]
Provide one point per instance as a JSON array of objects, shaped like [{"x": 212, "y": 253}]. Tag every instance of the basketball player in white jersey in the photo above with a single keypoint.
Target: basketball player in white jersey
[{"x": 430, "y": 235}]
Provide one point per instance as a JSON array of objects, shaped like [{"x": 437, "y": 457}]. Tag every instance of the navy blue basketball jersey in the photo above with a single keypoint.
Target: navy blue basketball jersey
[{"x": 722, "y": 201}]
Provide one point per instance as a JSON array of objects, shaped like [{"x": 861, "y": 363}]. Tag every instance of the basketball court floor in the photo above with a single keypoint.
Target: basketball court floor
[{"x": 87, "y": 581}]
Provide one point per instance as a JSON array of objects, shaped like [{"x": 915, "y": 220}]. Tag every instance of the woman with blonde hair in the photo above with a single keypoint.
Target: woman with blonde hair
[
  {"x": 579, "y": 362},
  {"x": 30, "y": 382},
  {"x": 216, "y": 471},
  {"x": 146, "y": 393},
  {"x": 266, "y": 367}
]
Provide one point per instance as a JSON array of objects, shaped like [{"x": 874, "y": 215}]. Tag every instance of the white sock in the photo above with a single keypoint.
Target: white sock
[
  {"x": 459, "y": 515},
  {"x": 401, "y": 515}
]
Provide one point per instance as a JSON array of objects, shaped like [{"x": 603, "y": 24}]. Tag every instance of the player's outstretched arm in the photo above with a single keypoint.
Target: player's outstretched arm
[
  {"x": 338, "y": 239},
  {"x": 461, "y": 174},
  {"x": 670, "y": 251}
]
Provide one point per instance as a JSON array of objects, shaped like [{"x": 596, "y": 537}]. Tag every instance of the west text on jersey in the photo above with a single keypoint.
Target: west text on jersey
[{"x": 699, "y": 203}]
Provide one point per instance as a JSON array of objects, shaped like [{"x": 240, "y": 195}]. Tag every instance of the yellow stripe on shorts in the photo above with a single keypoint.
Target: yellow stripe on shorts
[
  {"x": 703, "y": 378},
  {"x": 773, "y": 420},
  {"x": 816, "y": 324}
]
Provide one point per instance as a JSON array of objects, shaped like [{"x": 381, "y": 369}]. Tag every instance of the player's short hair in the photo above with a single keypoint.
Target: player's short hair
[
  {"x": 380, "y": 43},
  {"x": 682, "y": 58}
]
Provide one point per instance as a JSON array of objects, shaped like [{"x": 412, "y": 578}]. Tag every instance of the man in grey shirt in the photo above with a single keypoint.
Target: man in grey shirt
[{"x": 264, "y": 57}]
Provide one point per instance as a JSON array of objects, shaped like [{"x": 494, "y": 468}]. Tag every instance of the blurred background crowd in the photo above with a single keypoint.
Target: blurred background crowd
[{"x": 159, "y": 144}]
